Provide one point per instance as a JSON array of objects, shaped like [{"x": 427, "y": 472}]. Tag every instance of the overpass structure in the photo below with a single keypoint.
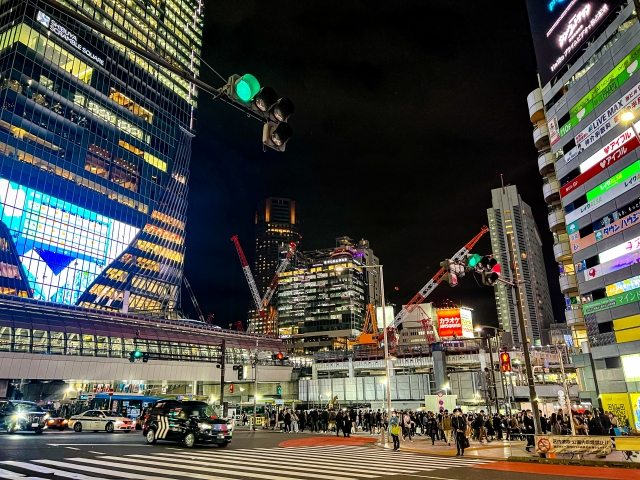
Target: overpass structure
[{"x": 43, "y": 342}]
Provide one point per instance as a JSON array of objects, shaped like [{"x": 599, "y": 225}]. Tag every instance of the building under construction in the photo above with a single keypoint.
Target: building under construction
[{"x": 322, "y": 299}]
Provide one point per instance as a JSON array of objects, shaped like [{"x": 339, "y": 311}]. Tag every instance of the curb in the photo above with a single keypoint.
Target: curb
[
  {"x": 439, "y": 454},
  {"x": 567, "y": 461}
]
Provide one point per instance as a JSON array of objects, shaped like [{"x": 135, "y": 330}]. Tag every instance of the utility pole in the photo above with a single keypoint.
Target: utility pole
[
  {"x": 255, "y": 387},
  {"x": 523, "y": 334},
  {"x": 493, "y": 374},
  {"x": 223, "y": 353}
]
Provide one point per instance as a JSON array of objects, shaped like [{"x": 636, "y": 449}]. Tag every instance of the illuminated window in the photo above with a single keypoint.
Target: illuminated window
[{"x": 130, "y": 105}]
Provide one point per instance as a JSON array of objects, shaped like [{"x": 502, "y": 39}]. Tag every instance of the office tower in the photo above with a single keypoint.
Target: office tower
[
  {"x": 588, "y": 156},
  {"x": 511, "y": 218},
  {"x": 94, "y": 151},
  {"x": 276, "y": 226},
  {"x": 321, "y": 301}
]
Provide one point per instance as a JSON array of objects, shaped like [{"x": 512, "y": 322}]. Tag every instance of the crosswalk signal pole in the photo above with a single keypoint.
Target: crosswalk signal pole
[{"x": 255, "y": 387}]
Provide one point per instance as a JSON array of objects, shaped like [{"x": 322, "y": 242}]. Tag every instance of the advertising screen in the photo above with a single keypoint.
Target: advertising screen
[
  {"x": 449, "y": 322},
  {"x": 560, "y": 27},
  {"x": 62, "y": 247}
]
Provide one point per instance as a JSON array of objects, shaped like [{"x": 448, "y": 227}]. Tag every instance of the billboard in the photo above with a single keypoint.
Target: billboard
[
  {"x": 62, "y": 247},
  {"x": 561, "y": 27},
  {"x": 449, "y": 322},
  {"x": 467, "y": 323}
]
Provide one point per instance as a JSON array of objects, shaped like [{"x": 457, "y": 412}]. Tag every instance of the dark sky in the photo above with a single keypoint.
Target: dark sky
[{"x": 406, "y": 114}]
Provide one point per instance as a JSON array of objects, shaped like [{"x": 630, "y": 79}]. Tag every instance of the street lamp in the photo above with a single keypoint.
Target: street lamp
[{"x": 628, "y": 117}]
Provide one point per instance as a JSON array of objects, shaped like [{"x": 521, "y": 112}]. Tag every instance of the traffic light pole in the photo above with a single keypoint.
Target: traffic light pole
[
  {"x": 223, "y": 353},
  {"x": 255, "y": 388},
  {"x": 493, "y": 374},
  {"x": 523, "y": 334}
]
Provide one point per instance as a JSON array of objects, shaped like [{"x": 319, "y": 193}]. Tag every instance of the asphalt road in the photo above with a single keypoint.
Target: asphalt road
[{"x": 251, "y": 455}]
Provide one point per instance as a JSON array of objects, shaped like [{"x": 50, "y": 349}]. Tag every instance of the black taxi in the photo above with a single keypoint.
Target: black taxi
[{"x": 187, "y": 422}]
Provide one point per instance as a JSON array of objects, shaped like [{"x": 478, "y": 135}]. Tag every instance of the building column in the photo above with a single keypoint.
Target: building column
[
  {"x": 439, "y": 366},
  {"x": 351, "y": 374},
  {"x": 194, "y": 387}
]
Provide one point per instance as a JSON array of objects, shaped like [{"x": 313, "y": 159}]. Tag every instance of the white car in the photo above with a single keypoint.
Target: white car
[{"x": 99, "y": 420}]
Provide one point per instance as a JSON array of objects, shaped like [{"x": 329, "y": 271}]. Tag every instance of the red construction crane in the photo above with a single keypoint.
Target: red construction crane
[
  {"x": 262, "y": 304},
  {"x": 427, "y": 289}
]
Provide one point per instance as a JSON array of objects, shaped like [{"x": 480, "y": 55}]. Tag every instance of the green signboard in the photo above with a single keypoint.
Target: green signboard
[
  {"x": 618, "y": 178},
  {"x": 612, "y": 302},
  {"x": 605, "y": 87}
]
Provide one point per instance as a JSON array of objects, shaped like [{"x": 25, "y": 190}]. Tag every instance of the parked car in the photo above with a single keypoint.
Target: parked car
[
  {"x": 186, "y": 422},
  {"x": 100, "y": 420},
  {"x": 18, "y": 415}
]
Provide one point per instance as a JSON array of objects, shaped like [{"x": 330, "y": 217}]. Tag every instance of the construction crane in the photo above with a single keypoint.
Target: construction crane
[
  {"x": 426, "y": 291},
  {"x": 193, "y": 299},
  {"x": 247, "y": 273},
  {"x": 262, "y": 304},
  {"x": 369, "y": 335}
]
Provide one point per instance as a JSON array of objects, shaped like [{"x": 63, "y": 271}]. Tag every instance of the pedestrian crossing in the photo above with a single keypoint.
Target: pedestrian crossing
[{"x": 297, "y": 463}]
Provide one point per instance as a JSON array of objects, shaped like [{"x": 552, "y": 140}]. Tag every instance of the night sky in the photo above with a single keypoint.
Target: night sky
[{"x": 407, "y": 113}]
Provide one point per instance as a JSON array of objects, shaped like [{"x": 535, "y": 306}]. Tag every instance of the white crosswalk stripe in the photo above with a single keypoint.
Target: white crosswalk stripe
[{"x": 295, "y": 463}]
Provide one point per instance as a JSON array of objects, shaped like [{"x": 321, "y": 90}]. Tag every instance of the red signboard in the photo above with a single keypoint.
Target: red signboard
[
  {"x": 630, "y": 145},
  {"x": 449, "y": 322}
]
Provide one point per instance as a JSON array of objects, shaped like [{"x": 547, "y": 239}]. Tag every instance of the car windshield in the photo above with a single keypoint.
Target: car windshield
[
  {"x": 28, "y": 407},
  {"x": 201, "y": 411}
]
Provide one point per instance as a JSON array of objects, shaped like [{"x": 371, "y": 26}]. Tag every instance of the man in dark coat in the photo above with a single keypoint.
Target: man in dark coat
[
  {"x": 339, "y": 422},
  {"x": 529, "y": 429},
  {"x": 346, "y": 425}
]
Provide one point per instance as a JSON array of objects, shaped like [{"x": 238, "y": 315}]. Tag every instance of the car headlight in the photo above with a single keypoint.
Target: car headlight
[
  {"x": 19, "y": 416},
  {"x": 46, "y": 415},
  {"x": 204, "y": 426}
]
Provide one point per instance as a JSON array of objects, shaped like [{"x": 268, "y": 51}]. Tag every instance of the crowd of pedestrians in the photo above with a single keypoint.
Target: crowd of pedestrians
[{"x": 455, "y": 428}]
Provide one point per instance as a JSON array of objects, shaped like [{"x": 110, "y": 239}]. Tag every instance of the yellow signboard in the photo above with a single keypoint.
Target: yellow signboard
[
  {"x": 618, "y": 404},
  {"x": 635, "y": 408},
  {"x": 573, "y": 444}
]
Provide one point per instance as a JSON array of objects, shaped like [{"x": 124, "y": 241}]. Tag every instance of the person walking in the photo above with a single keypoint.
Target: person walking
[
  {"x": 459, "y": 426},
  {"x": 346, "y": 425},
  {"x": 446, "y": 427},
  {"x": 394, "y": 429},
  {"x": 339, "y": 420},
  {"x": 432, "y": 427},
  {"x": 529, "y": 429}
]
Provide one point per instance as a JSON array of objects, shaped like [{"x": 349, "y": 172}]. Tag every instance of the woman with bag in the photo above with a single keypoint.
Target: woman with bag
[{"x": 394, "y": 429}]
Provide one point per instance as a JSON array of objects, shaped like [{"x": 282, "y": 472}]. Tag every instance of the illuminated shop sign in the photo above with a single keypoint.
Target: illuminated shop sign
[
  {"x": 614, "y": 227},
  {"x": 560, "y": 27},
  {"x": 608, "y": 303},
  {"x": 63, "y": 247},
  {"x": 67, "y": 36},
  {"x": 598, "y": 94},
  {"x": 612, "y": 266},
  {"x": 627, "y": 285},
  {"x": 618, "y": 178},
  {"x": 467, "y": 322},
  {"x": 449, "y": 322},
  {"x": 604, "y": 196}
]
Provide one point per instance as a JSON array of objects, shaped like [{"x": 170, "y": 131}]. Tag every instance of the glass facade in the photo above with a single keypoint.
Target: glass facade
[{"x": 94, "y": 152}]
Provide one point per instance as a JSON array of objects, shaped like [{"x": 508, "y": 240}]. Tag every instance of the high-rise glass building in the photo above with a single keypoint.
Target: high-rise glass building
[
  {"x": 94, "y": 151},
  {"x": 511, "y": 220},
  {"x": 588, "y": 56}
]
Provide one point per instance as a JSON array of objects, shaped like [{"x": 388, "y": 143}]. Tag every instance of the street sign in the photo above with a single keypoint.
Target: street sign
[
  {"x": 111, "y": 394},
  {"x": 439, "y": 394}
]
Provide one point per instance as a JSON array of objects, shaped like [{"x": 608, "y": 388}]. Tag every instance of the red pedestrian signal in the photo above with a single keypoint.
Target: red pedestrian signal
[
  {"x": 231, "y": 388},
  {"x": 505, "y": 362}
]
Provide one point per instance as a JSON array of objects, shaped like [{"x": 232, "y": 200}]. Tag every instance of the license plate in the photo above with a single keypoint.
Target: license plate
[{"x": 35, "y": 424}]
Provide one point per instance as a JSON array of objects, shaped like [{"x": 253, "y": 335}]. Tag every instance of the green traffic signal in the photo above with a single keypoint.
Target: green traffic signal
[
  {"x": 247, "y": 87},
  {"x": 137, "y": 354},
  {"x": 473, "y": 260}
]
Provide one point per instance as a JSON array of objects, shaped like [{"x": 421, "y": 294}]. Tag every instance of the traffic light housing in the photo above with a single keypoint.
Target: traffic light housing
[
  {"x": 243, "y": 88},
  {"x": 276, "y": 135},
  {"x": 231, "y": 387},
  {"x": 240, "y": 372},
  {"x": 505, "y": 362},
  {"x": 279, "y": 389},
  {"x": 472, "y": 260},
  {"x": 490, "y": 270},
  {"x": 145, "y": 357},
  {"x": 133, "y": 356}
]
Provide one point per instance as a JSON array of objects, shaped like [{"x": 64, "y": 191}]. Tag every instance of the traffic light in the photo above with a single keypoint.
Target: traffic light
[
  {"x": 472, "y": 260},
  {"x": 279, "y": 389},
  {"x": 145, "y": 357},
  {"x": 276, "y": 135},
  {"x": 243, "y": 88},
  {"x": 450, "y": 276},
  {"x": 133, "y": 356},
  {"x": 231, "y": 388},
  {"x": 240, "y": 372},
  {"x": 505, "y": 362},
  {"x": 490, "y": 270}
]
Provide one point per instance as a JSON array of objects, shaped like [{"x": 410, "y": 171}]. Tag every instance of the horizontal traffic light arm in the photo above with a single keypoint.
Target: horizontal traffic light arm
[{"x": 152, "y": 57}]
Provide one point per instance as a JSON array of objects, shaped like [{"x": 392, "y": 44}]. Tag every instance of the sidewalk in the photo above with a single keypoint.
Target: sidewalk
[{"x": 501, "y": 450}]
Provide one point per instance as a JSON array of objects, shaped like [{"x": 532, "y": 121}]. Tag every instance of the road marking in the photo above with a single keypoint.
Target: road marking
[
  {"x": 272, "y": 469},
  {"x": 115, "y": 466},
  {"x": 97, "y": 453},
  {"x": 49, "y": 471},
  {"x": 9, "y": 474},
  {"x": 72, "y": 448},
  {"x": 94, "y": 444},
  {"x": 111, "y": 473}
]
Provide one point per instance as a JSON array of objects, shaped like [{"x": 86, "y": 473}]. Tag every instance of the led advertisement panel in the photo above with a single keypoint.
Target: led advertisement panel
[
  {"x": 62, "y": 247},
  {"x": 560, "y": 27},
  {"x": 611, "y": 266},
  {"x": 614, "y": 227},
  {"x": 449, "y": 322}
]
